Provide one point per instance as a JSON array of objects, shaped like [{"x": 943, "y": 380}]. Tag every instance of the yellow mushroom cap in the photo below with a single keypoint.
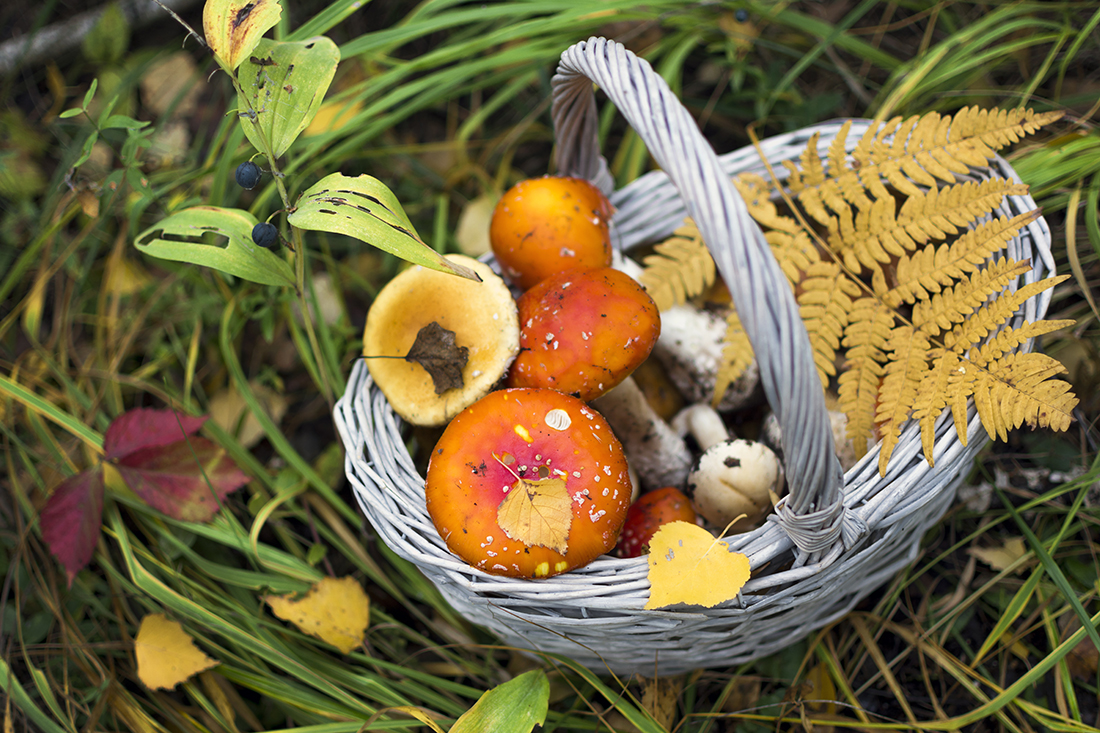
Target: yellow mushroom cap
[{"x": 483, "y": 317}]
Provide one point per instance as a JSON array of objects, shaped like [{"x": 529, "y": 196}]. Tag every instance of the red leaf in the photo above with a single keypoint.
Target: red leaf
[
  {"x": 72, "y": 518},
  {"x": 171, "y": 480},
  {"x": 142, "y": 428}
]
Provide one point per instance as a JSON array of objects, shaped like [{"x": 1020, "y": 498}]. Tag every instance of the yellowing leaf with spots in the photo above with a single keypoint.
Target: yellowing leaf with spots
[
  {"x": 335, "y": 610},
  {"x": 166, "y": 654},
  {"x": 688, "y": 565},
  {"x": 538, "y": 513},
  {"x": 234, "y": 27}
]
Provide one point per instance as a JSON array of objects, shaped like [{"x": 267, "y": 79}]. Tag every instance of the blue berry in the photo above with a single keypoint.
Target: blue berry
[
  {"x": 266, "y": 235},
  {"x": 741, "y": 15},
  {"x": 248, "y": 175}
]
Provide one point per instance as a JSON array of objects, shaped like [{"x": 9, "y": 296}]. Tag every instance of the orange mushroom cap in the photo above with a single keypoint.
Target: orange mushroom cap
[
  {"x": 528, "y": 483},
  {"x": 546, "y": 225},
  {"x": 583, "y": 332}
]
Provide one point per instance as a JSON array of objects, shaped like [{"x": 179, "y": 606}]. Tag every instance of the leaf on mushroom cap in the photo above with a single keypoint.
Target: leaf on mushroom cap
[
  {"x": 435, "y": 350},
  {"x": 538, "y": 513}
]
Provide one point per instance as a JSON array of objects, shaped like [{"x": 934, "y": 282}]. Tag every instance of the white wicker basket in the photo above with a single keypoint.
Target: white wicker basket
[{"x": 835, "y": 539}]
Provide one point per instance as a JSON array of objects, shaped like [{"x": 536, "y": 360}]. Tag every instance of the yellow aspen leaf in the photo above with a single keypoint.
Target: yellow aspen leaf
[
  {"x": 234, "y": 27},
  {"x": 538, "y": 513},
  {"x": 335, "y": 610},
  {"x": 688, "y": 565},
  {"x": 166, "y": 654}
]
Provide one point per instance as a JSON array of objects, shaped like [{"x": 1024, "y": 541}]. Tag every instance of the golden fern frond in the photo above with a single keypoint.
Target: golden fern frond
[
  {"x": 824, "y": 304},
  {"x": 921, "y": 150},
  {"x": 1011, "y": 339},
  {"x": 932, "y": 268},
  {"x": 756, "y": 192},
  {"x": 790, "y": 243},
  {"x": 872, "y": 236},
  {"x": 988, "y": 318},
  {"x": 865, "y": 341},
  {"x": 905, "y": 369},
  {"x": 956, "y": 305},
  {"x": 680, "y": 268},
  {"x": 939, "y": 212},
  {"x": 1020, "y": 388},
  {"x": 737, "y": 355},
  {"x": 796, "y": 252},
  {"x": 932, "y": 397}
]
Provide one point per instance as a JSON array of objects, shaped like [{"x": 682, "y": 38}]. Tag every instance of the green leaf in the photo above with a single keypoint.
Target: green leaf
[
  {"x": 363, "y": 208},
  {"x": 89, "y": 94},
  {"x": 513, "y": 707},
  {"x": 122, "y": 122},
  {"x": 285, "y": 84},
  {"x": 86, "y": 151},
  {"x": 70, "y": 113},
  {"x": 215, "y": 237},
  {"x": 106, "y": 43}
]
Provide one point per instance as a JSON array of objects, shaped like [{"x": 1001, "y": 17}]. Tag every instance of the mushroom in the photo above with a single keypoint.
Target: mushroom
[
  {"x": 482, "y": 317},
  {"x": 691, "y": 349},
  {"x": 528, "y": 483},
  {"x": 650, "y": 513},
  {"x": 732, "y": 478},
  {"x": 583, "y": 332},
  {"x": 654, "y": 449},
  {"x": 547, "y": 225}
]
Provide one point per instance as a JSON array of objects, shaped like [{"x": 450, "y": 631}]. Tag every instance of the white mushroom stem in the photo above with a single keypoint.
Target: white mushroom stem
[
  {"x": 691, "y": 349},
  {"x": 654, "y": 450},
  {"x": 703, "y": 423}
]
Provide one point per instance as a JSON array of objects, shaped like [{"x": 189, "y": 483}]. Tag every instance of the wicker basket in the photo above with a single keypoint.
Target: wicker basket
[{"x": 835, "y": 538}]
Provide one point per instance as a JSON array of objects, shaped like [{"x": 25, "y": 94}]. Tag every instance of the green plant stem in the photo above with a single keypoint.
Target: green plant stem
[{"x": 323, "y": 380}]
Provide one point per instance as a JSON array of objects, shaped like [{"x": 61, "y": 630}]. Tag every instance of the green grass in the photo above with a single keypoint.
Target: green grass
[{"x": 451, "y": 103}]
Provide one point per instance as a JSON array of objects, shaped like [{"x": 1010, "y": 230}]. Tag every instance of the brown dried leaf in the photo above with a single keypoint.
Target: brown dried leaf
[{"x": 436, "y": 351}]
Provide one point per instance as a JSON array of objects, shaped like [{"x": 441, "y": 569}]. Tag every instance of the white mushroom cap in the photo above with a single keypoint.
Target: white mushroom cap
[
  {"x": 733, "y": 478},
  {"x": 691, "y": 349},
  {"x": 483, "y": 317}
]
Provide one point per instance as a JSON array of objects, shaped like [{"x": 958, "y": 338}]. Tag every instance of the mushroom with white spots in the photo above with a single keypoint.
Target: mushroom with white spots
[{"x": 528, "y": 483}]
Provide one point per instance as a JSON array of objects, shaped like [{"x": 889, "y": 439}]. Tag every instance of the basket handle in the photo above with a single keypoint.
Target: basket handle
[{"x": 813, "y": 514}]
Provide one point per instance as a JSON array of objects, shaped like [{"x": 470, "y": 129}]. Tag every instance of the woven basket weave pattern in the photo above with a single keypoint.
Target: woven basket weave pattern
[{"x": 860, "y": 528}]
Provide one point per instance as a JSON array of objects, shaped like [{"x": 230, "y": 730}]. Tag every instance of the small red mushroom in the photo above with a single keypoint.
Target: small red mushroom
[
  {"x": 648, "y": 514},
  {"x": 583, "y": 332},
  {"x": 547, "y": 225},
  {"x": 528, "y": 483}
]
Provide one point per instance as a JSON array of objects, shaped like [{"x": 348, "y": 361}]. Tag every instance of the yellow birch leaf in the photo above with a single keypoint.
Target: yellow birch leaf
[
  {"x": 234, "y": 27},
  {"x": 538, "y": 513},
  {"x": 1000, "y": 558},
  {"x": 166, "y": 654},
  {"x": 335, "y": 610},
  {"x": 688, "y": 565}
]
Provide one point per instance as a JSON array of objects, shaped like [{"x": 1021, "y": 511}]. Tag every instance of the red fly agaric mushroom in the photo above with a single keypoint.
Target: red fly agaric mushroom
[
  {"x": 648, "y": 514},
  {"x": 528, "y": 483},
  {"x": 478, "y": 317},
  {"x": 548, "y": 225},
  {"x": 583, "y": 332}
]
